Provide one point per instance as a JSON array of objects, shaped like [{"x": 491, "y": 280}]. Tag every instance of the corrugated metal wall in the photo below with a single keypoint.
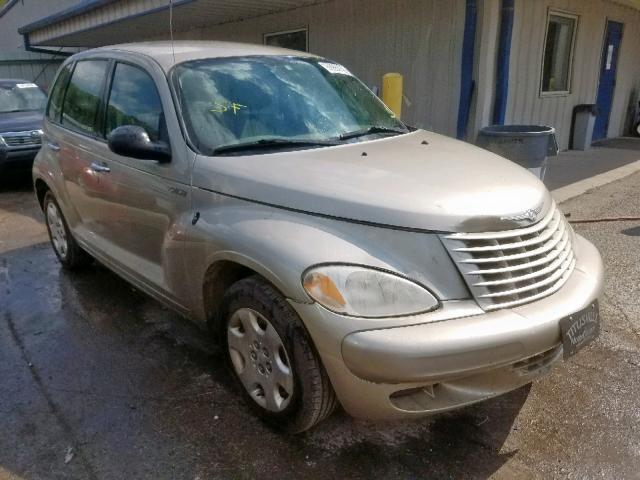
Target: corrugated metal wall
[
  {"x": 34, "y": 67},
  {"x": 526, "y": 105},
  {"x": 422, "y": 39},
  {"x": 418, "y": 38}
]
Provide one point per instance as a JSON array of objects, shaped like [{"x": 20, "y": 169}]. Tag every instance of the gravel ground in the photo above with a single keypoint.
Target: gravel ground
[{"x": 98, "y": 381}]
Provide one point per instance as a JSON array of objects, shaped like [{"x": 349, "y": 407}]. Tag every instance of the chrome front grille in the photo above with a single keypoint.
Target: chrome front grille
[
  {"x": 30, "y": 138},
  {"x": 513, "y": 267}
]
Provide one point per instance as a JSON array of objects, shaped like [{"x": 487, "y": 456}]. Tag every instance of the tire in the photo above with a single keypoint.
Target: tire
[
  {"x": 253, "y": 311},
  {"x": 69, "y": 253}
]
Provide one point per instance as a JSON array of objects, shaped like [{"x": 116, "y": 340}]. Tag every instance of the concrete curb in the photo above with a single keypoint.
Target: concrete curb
[{"x": 565, "y": 193}]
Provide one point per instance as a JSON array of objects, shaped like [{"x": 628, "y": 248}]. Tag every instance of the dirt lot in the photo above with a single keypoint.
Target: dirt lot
[{"x": 98, "y": 381}]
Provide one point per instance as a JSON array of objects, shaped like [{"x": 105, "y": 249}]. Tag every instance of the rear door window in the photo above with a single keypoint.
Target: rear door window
[
  {"x": 134, "y": 100},
  {"x": 82, "y": 101},
  {"x": 57, "y": 94}
]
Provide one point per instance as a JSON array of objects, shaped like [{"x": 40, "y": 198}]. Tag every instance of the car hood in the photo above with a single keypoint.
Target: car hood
[
  {"x": 420, "y": 180},
  {"x": 21, "y": 121}
]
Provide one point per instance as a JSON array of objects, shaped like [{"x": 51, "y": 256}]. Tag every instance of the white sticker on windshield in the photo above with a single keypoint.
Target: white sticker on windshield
[
  {"x": 26, "y": 85},
  {"x": 335, "y": 68}
]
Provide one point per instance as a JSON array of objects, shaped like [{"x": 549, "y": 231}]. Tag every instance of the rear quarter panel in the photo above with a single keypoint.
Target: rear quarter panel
[{"x": 46, "y": 168}]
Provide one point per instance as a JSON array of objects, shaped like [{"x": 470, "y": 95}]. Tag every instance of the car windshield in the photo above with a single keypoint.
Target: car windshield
[
  {"x": 276, "y": 102},
  {"x": 21, "y": 97}
]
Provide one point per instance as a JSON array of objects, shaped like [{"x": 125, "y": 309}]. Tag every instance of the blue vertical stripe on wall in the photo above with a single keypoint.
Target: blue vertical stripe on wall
[
  {"x": 502, "y": 73},
  {"x": 466, "y": 80}
]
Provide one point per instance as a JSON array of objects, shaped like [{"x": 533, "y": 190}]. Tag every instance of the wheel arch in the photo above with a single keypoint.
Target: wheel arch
[
  {"x": 41, "y": 188},
  {"x": 218, "y": 277},
  {"x": 225, "y": 270}
]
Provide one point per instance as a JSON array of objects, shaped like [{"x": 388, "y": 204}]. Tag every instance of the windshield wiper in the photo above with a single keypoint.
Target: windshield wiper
[
  {"x": 369, "y": 130},
  {"x": 272, "y": 142}
]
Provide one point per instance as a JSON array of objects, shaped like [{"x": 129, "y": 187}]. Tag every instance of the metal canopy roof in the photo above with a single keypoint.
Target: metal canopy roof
[{"x": 93, "y": 23}]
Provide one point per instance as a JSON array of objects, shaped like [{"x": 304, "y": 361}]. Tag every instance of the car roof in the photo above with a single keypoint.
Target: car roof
[
  {"x": 168, "y": 54},
  {"x": 10, "y": 82}
]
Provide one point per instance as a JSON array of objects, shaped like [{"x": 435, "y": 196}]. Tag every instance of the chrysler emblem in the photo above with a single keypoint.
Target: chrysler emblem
[{"x": 529, "y": 215}]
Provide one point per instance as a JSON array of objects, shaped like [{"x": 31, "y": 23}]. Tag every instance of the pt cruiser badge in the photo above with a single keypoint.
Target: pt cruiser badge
[{"x": 529, "y": 215}]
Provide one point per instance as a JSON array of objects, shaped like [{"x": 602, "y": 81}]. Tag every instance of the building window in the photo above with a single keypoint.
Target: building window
[
  {"x": 558, "y": 53},
  {"x": 293, "y": 39}
]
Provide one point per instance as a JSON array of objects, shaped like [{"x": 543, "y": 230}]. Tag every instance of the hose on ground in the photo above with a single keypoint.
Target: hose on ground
[{"x": 606, "y": 219}]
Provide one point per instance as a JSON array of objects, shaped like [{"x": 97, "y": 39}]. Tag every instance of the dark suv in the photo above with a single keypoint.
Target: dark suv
[{"x": 21, "y": 111}]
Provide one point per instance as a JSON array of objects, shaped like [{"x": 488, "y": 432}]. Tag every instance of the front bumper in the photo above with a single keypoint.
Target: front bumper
[
  {"x": 18, "y": 158},
  {"x": 431, "y": 364}
]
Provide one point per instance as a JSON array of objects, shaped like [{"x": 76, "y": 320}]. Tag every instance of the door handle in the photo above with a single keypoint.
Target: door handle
[
  {"x": 53, "y": 146},
  {"x": 98, "y": 168}
]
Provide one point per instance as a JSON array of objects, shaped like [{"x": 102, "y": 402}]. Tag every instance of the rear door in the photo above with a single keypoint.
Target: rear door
[
  {"x": 51, "y": 143},
  {"x": 607, "y": 84},
  {"x": 73, "y": 136}
]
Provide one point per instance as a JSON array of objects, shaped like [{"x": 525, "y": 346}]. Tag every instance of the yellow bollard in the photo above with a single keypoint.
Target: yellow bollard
[{"x": 392, "y": 92}]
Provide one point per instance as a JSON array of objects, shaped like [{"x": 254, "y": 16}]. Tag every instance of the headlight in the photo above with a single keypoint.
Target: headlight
[
  {"x": 366, "y": 292},
  {"x": 2, "y": 142}
]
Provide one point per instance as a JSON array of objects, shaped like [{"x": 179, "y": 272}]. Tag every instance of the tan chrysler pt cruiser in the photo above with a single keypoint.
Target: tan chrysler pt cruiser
[{"x": 336, "y": 254}]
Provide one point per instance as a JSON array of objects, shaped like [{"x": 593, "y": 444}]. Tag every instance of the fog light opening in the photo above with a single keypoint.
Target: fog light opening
[{"x": 428, "y": 390}]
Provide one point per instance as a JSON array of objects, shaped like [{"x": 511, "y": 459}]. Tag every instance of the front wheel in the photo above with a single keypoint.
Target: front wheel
[{"x": 272, "y": 358}]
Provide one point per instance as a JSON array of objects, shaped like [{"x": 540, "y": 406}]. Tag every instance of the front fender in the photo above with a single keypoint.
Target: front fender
[{"x": 280, "y": 245}]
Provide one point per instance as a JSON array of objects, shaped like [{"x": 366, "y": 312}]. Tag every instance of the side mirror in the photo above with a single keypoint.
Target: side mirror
[{"x": 133, "y": 141}]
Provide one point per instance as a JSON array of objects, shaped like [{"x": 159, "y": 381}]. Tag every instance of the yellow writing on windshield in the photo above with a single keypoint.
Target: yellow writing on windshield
[{"x": 227, "y": 107}]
